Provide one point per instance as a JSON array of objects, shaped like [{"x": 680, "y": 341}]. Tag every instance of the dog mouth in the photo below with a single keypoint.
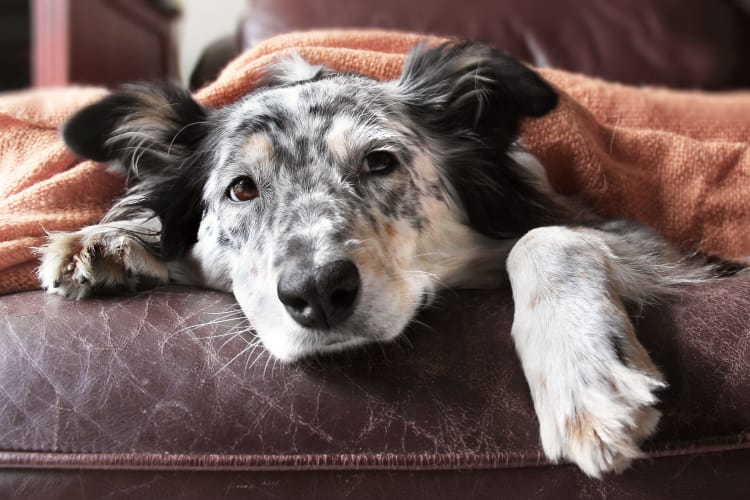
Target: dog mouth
[
  {"x": 373, "y": 316},
  {"x": 335, "y": 345},
  {"x": 337, "y": 342},
  {"x": 291, "y": 341},
  {"x": 317, "y": 344}
]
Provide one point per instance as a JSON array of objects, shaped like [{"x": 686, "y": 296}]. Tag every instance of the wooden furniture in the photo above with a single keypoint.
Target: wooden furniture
[
  {"x": 102, "y": 42},
  {"x": 14, "y": 44}
]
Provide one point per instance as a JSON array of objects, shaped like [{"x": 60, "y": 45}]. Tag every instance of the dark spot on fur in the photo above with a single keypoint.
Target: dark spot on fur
[
  {"x": 223, "y": 239},
  {"x": 301, "y": 149},
  {"x": 265, "y": 123},
  {"x": 618, "y": 345},
  {"x": 320, "y": 109},
  {"x": 435, "y": 191}
]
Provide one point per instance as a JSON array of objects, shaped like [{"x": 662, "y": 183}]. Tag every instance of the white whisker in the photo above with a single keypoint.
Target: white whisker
[{"x": 243, "y": 351}]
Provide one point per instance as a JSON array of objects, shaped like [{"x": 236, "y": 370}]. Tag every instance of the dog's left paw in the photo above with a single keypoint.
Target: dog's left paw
[
  {"x": 599, "y": 423},
  {"x": 593, "y": 384}
]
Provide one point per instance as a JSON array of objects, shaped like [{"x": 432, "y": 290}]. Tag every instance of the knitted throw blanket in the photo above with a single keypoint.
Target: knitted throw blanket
[{"x": 678, "y": 161}]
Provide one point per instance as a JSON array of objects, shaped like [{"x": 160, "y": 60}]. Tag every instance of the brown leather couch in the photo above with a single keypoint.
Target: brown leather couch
[{"x": 151, "y": 396}]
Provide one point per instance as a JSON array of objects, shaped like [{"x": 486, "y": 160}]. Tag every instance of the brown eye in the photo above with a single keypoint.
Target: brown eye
[
  {"x": 243, "y": 189},
  {"x": 379, "y": 163}
]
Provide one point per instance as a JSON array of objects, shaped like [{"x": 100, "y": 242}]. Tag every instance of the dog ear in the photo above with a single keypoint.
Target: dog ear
[
  {"x": 155, "y": 133},
  {"x": 471, "y": 99},
  {"x": 474, "y": 87}
]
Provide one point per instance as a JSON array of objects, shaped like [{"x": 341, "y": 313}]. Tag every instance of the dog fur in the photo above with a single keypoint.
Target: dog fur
[{"x": 334, "y": 206}]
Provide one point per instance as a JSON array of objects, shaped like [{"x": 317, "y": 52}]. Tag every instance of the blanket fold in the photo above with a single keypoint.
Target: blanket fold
[{"x": 678, "y": 161}]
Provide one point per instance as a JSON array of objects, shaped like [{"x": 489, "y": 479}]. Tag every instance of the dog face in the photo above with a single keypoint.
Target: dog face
[
  {"x": 322, "y": 198},
  {"x": 332, "y": 205}
]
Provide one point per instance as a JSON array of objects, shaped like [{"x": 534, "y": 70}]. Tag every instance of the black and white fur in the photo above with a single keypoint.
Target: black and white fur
[{"x": 334, "y": 206}]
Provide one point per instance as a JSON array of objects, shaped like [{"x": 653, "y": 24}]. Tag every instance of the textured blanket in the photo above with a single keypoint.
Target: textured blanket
[{"x": 678, "y": 161}]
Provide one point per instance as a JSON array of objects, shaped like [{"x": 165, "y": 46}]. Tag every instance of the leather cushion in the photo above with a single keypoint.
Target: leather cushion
[
  {"x": 678, "y": 43},
  {"x": 160, "y": 377}
]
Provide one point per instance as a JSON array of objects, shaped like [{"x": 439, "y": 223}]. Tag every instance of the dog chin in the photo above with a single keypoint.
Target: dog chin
[
  {"x": 293, "y": 343},
  {"x": 290, "y": 347},
  {"x": 288, "y": 342}
]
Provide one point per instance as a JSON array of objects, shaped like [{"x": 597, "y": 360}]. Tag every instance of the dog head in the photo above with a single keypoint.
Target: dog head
[{"x": 332, "y": 205}]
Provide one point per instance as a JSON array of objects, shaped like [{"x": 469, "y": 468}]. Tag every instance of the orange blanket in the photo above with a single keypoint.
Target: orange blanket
[{"x": 678, "y": 161}]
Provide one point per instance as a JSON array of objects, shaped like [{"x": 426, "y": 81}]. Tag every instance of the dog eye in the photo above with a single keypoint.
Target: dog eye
[
  {"x": 378, "y": 163},
  {"x": 243, "y": 189}
]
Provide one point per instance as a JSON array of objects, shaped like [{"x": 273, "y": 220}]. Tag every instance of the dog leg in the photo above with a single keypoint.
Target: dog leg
[
  {"x": 105, "y": 257},
  {"x": 591, "y": 381}
]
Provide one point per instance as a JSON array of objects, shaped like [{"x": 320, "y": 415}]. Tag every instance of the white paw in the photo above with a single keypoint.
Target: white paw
[
  {"x": 94, "y": 259},
  {"x": 592, "y": 382},
  {"x": 598, "y": 420}
]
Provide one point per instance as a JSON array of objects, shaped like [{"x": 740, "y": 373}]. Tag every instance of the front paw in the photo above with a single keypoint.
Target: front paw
[
  {"x": 79, "y": 264},
  {"x": 599, "y": 423}
]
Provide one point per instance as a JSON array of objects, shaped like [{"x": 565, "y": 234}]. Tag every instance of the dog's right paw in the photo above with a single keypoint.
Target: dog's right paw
[{"x": 79, "y": 264}]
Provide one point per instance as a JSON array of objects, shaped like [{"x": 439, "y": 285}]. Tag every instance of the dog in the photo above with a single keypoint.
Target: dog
[{"x": 334, "y": 207}]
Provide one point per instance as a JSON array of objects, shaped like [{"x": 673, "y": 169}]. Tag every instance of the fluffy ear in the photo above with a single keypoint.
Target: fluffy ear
[
  {"x": 155, "y": 132},
  {"x": 473, "y": 86},
  {"x": 470, "y": 99}
]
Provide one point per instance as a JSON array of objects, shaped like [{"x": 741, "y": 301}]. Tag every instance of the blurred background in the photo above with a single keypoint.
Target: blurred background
[{"x": 678, "y": 43}]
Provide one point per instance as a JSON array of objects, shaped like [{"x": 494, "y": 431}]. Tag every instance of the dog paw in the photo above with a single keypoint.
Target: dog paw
[
  {"x": 80, "y": 264},
  {"x": 602, "y": 421}
]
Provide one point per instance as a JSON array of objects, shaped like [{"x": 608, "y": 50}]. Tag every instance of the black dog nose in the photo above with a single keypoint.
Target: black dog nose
[{"x": 319, "y": 297}]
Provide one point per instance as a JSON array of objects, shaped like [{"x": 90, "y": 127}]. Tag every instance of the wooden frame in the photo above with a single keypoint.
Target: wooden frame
[{"x": 102, "y": 42}]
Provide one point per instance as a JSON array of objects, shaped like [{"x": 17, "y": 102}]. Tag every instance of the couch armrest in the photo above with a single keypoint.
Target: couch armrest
[{"x": 166, "y": 381}]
